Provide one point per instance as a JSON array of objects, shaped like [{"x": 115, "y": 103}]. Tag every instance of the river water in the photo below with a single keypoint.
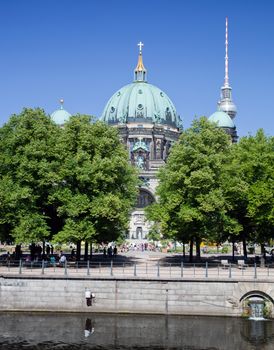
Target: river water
[{"x": 90, "y": 331}]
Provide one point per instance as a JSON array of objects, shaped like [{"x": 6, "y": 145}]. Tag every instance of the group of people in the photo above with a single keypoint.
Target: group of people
[
  {"x": 138, "y": 247},
  {"x": 110, "y": 252},
  {"x": 36, "y": 252}
]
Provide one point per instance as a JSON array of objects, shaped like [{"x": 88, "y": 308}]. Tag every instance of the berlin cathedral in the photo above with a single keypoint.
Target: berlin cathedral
[{"x": 148, "y": 125}]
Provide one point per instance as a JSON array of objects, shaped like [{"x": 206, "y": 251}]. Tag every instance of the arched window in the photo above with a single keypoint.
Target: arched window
[{"x": 144, "y": 199}]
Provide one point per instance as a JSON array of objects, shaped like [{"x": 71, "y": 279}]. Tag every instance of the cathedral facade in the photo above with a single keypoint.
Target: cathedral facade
[{"x": 148, "y": 125}]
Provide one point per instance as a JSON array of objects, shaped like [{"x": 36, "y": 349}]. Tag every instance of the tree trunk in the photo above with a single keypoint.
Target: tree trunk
[
  {"x": 191, "y": 250},
  {"x": 78, "y": 251},
  {"x": 244, "y": 247},
  {"x": 43, "y": 251},
  {"x": 233, "y": 251},
  {"x": 184, "y": 250},
  {"x": 198, "y": 248},
  {"x": 263, "y": 252},
  {"x": 18, "y": 252},
  {"x": 90, "y": 252},
  {"x": 86, "y": 251}
]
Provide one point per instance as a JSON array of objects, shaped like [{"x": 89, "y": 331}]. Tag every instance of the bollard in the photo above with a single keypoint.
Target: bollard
[
  {"x": 158, "y": 269},
  {"x": 135, "y": 272},
  {"x": 88, "y": 272},
  {"x": 65, "y": 268},
  {"x": 255, "y": 271},
  {"x": 206, "y": 274},
  {"x": 43, "y": 267},
  {"x": 229, "y": 271},
  {"x": 9, "y": 266},
  {"x": 20, "y": 267},
  {"x": 111, "y": 268},
  {"x": 182, "y": 269},
  {"x": 100, "y": 268},
  {"x": 218, "y": 270}
]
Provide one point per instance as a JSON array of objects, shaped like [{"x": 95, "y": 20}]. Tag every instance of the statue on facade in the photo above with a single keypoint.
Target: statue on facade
[
  {"x": 140, "y": 161},
  {"x": 140, "y": 154}
]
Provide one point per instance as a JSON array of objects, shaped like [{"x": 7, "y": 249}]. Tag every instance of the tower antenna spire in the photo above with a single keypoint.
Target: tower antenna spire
[
  {"x": 226, "y": 84},
  {"x": 226, "y": 103}
]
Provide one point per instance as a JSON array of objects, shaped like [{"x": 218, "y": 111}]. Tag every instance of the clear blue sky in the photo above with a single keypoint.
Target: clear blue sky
[{"x": 85, "y": 50}]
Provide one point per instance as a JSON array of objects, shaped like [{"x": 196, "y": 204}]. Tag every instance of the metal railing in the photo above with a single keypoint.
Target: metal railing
[{"x": 138, "y": 269}]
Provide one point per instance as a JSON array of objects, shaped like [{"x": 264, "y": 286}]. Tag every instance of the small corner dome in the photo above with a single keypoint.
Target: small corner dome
[
  {"x": 140, "y": 102},
  {"x": 60, "y": 116},
  {"x": 222, "y": 120}
]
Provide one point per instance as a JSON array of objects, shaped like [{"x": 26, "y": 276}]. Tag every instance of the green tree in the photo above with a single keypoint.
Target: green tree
[
  {"x": 26, "y": 157},
  {"x": 250, "y": 187},
  {"x": 95, "y": 186},
  {"x": 191, "y": 204},
  {"x": 73, "y": 182}
]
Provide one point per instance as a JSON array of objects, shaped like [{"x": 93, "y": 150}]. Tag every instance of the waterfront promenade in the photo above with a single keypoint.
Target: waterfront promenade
[
  {"x": 137, "y": 282},
  {"x": 146, "y": 265}
]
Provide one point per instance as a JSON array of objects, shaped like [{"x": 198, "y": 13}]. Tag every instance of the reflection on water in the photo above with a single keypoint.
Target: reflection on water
[
  {"x": 81, "y": 331},
  {"x": 89, "y": 329},
  {"x": 258, "y": 333}
]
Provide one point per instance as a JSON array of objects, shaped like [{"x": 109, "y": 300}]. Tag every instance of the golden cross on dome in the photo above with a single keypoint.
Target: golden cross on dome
[{"x": 140, "y": 46}]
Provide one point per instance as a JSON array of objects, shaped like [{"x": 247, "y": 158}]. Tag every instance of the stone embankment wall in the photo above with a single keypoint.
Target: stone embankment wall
[{"x": 135, "y": 295}]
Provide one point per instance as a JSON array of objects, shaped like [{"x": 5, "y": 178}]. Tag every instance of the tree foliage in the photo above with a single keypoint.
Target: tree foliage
[
  {"x": 73, "y": 183},
  {"x": 212, "y": 189},
  {"x": 96, "y": 186},
  {"x": 26, "y": 154},
  {"x": 191, "y": 203},
  {"x": 250, "y": 186}
]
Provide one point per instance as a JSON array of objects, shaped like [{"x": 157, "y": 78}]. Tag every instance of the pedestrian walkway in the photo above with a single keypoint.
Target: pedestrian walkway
[{"x": 146, "y": 266}]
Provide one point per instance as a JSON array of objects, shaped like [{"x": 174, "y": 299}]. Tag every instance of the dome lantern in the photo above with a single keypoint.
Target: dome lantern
[{"x": 140, "y": 72}]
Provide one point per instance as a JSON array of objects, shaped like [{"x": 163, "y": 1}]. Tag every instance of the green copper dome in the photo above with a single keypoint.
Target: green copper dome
[
  {"x": 60, "y": 116},
  {"x": 143, "y": 103},
  {"x": 222, "y": 119},
  {"x": 140, "y": 102}
]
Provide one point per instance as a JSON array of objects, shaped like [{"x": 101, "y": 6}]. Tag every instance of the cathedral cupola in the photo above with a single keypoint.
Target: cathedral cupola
[{"x": 141, "y": 102}]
